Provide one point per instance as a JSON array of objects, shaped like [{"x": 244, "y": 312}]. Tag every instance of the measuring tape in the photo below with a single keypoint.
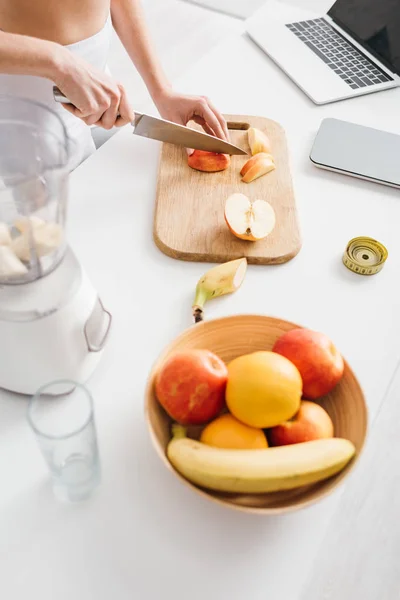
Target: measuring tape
[{"x": 365, "y": 256}]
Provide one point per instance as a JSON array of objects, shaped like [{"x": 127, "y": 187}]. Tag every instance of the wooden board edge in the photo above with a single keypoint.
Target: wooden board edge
[{"x": 221, "y": 258}]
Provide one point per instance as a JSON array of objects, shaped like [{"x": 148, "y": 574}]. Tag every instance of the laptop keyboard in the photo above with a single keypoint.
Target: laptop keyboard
[{"x": 338, "y": 54}]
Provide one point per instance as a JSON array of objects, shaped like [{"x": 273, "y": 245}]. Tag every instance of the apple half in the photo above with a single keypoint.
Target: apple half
[{"x": 248, "y": 220}]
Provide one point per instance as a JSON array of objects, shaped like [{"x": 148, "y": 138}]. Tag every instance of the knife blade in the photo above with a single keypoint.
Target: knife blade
[{"x": 166, "y": 131}]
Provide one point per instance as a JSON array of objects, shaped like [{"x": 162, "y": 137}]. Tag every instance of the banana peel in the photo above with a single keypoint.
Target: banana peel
[{"x": 218, "y": 281}]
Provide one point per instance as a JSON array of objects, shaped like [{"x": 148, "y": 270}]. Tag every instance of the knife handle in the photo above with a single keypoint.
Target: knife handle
[{"x": 59, "y": 97}]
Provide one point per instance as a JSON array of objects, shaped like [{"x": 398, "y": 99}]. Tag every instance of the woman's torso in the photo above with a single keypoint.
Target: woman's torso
[{"x": 65, "y": 22}]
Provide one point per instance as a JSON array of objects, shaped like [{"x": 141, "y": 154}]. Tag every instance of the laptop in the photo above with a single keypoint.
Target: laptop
[{"x": 352, "y": 50}]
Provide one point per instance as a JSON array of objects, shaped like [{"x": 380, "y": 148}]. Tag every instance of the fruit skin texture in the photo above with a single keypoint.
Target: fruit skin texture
[
  {"x": 211, "y": 162},
  {"x": 258, "y": 471},
  {"x": 258, "y": 141},
  {"x": 320, "y": 363},
  {"x": 227, "y": 432},
  {"x": 191, "y": 386},
  {"x": 263, "y": 389},
  {"x": 257, "y": 166},
  {"x": 311, "y": 422}
]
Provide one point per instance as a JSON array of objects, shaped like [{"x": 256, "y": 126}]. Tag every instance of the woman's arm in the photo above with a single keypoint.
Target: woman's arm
[
  {"x": 23, "y": 55},
  {"x": 95, "y": 96},
  {"x": 129, "y": 23}
]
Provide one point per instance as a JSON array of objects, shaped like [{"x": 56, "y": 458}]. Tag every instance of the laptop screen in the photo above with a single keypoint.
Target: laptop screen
[{"x": 373, "y": 23}]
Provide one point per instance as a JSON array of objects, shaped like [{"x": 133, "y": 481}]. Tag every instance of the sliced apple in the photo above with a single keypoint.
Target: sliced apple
[
  {"x": 5, "y": 237},
  {"x": 258, "y": 141},
  {"x": 247, "y": 220},
  {"x": 211, "y": 162},
  {"x": 254, "y": 160},
  {"x": 258, "y": 165}
]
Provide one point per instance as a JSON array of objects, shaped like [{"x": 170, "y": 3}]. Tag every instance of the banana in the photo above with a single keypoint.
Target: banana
[
  {"x": 10, "y": 265},
  {"x": 257, "y": 471},
  {"x": 218, "y": 281},
  {"x": 45, "y": 238},
  {"x": 5, "y": 237}
]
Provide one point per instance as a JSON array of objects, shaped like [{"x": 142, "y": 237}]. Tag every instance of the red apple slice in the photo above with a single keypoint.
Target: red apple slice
[
  {"x": 210, "y": 162},
  {"x": 249, "y": 221}
]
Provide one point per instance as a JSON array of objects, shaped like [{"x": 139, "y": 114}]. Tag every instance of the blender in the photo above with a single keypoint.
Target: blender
[{"x": 53, "y": 324}]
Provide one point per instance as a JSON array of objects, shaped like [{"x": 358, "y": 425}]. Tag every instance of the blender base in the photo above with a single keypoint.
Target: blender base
[{"x": 63, "y": 342}]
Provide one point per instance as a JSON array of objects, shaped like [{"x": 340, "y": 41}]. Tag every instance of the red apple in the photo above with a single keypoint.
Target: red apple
[
  {"x": 191, "y": 386},
  {"x": 320, "y": 364},
  {"x": 311, "y": 422}
]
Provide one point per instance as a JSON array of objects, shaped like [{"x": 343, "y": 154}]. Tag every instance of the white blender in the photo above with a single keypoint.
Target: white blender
[{"x": 52, "y": 323}]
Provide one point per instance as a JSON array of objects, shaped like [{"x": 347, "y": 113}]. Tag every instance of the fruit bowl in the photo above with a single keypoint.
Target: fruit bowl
[{"x": 230, "y": 337}]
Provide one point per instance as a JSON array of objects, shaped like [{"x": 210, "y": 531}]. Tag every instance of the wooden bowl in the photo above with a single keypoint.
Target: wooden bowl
[{"x": 231, "y": 337}]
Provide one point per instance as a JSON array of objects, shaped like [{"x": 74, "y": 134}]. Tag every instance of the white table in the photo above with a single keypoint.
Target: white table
[{"x": 145, "y": 536}]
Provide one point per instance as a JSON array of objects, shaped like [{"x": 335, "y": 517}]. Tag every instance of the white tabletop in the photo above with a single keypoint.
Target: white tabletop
[{"x": 144, "y": 535}]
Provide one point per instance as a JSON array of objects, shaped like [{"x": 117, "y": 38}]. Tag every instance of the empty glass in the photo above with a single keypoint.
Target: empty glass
[{"x": 61, "y": 415}]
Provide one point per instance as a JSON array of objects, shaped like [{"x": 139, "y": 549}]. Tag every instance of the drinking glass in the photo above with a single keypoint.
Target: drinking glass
[{"x": 61, "y": 415}]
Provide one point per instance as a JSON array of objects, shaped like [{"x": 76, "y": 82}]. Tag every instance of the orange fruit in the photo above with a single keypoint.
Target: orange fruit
[
  {"x": 263, "y": 389},
  {"x": 227, "y": 432}
]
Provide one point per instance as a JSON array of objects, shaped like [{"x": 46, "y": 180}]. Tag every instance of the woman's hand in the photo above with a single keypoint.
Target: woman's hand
[
  {"x": 97, "y": 99},
  {"x": 181, "y": 109}
]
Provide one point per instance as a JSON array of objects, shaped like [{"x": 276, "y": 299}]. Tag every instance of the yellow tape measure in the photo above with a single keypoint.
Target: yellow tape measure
[{"x": 365, "y": 256}]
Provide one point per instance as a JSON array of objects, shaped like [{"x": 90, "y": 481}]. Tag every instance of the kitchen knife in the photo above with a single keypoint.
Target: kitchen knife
[{"x": 172, "y": 133}]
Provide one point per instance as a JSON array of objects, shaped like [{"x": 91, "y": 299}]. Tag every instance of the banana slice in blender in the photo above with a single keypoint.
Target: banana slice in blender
[
  {"x": 43, "y": 240},
  {"x": 23, "y": 224},
  {"x": 5, "y": 237},
  {"x": 10, "y": 265}
]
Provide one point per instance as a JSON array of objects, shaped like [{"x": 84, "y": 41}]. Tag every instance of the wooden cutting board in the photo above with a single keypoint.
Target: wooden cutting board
[{"x": 189, "y": 219}]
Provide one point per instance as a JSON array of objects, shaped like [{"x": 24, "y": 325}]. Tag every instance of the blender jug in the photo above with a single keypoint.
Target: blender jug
[{"x": 34, "y": 156}]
